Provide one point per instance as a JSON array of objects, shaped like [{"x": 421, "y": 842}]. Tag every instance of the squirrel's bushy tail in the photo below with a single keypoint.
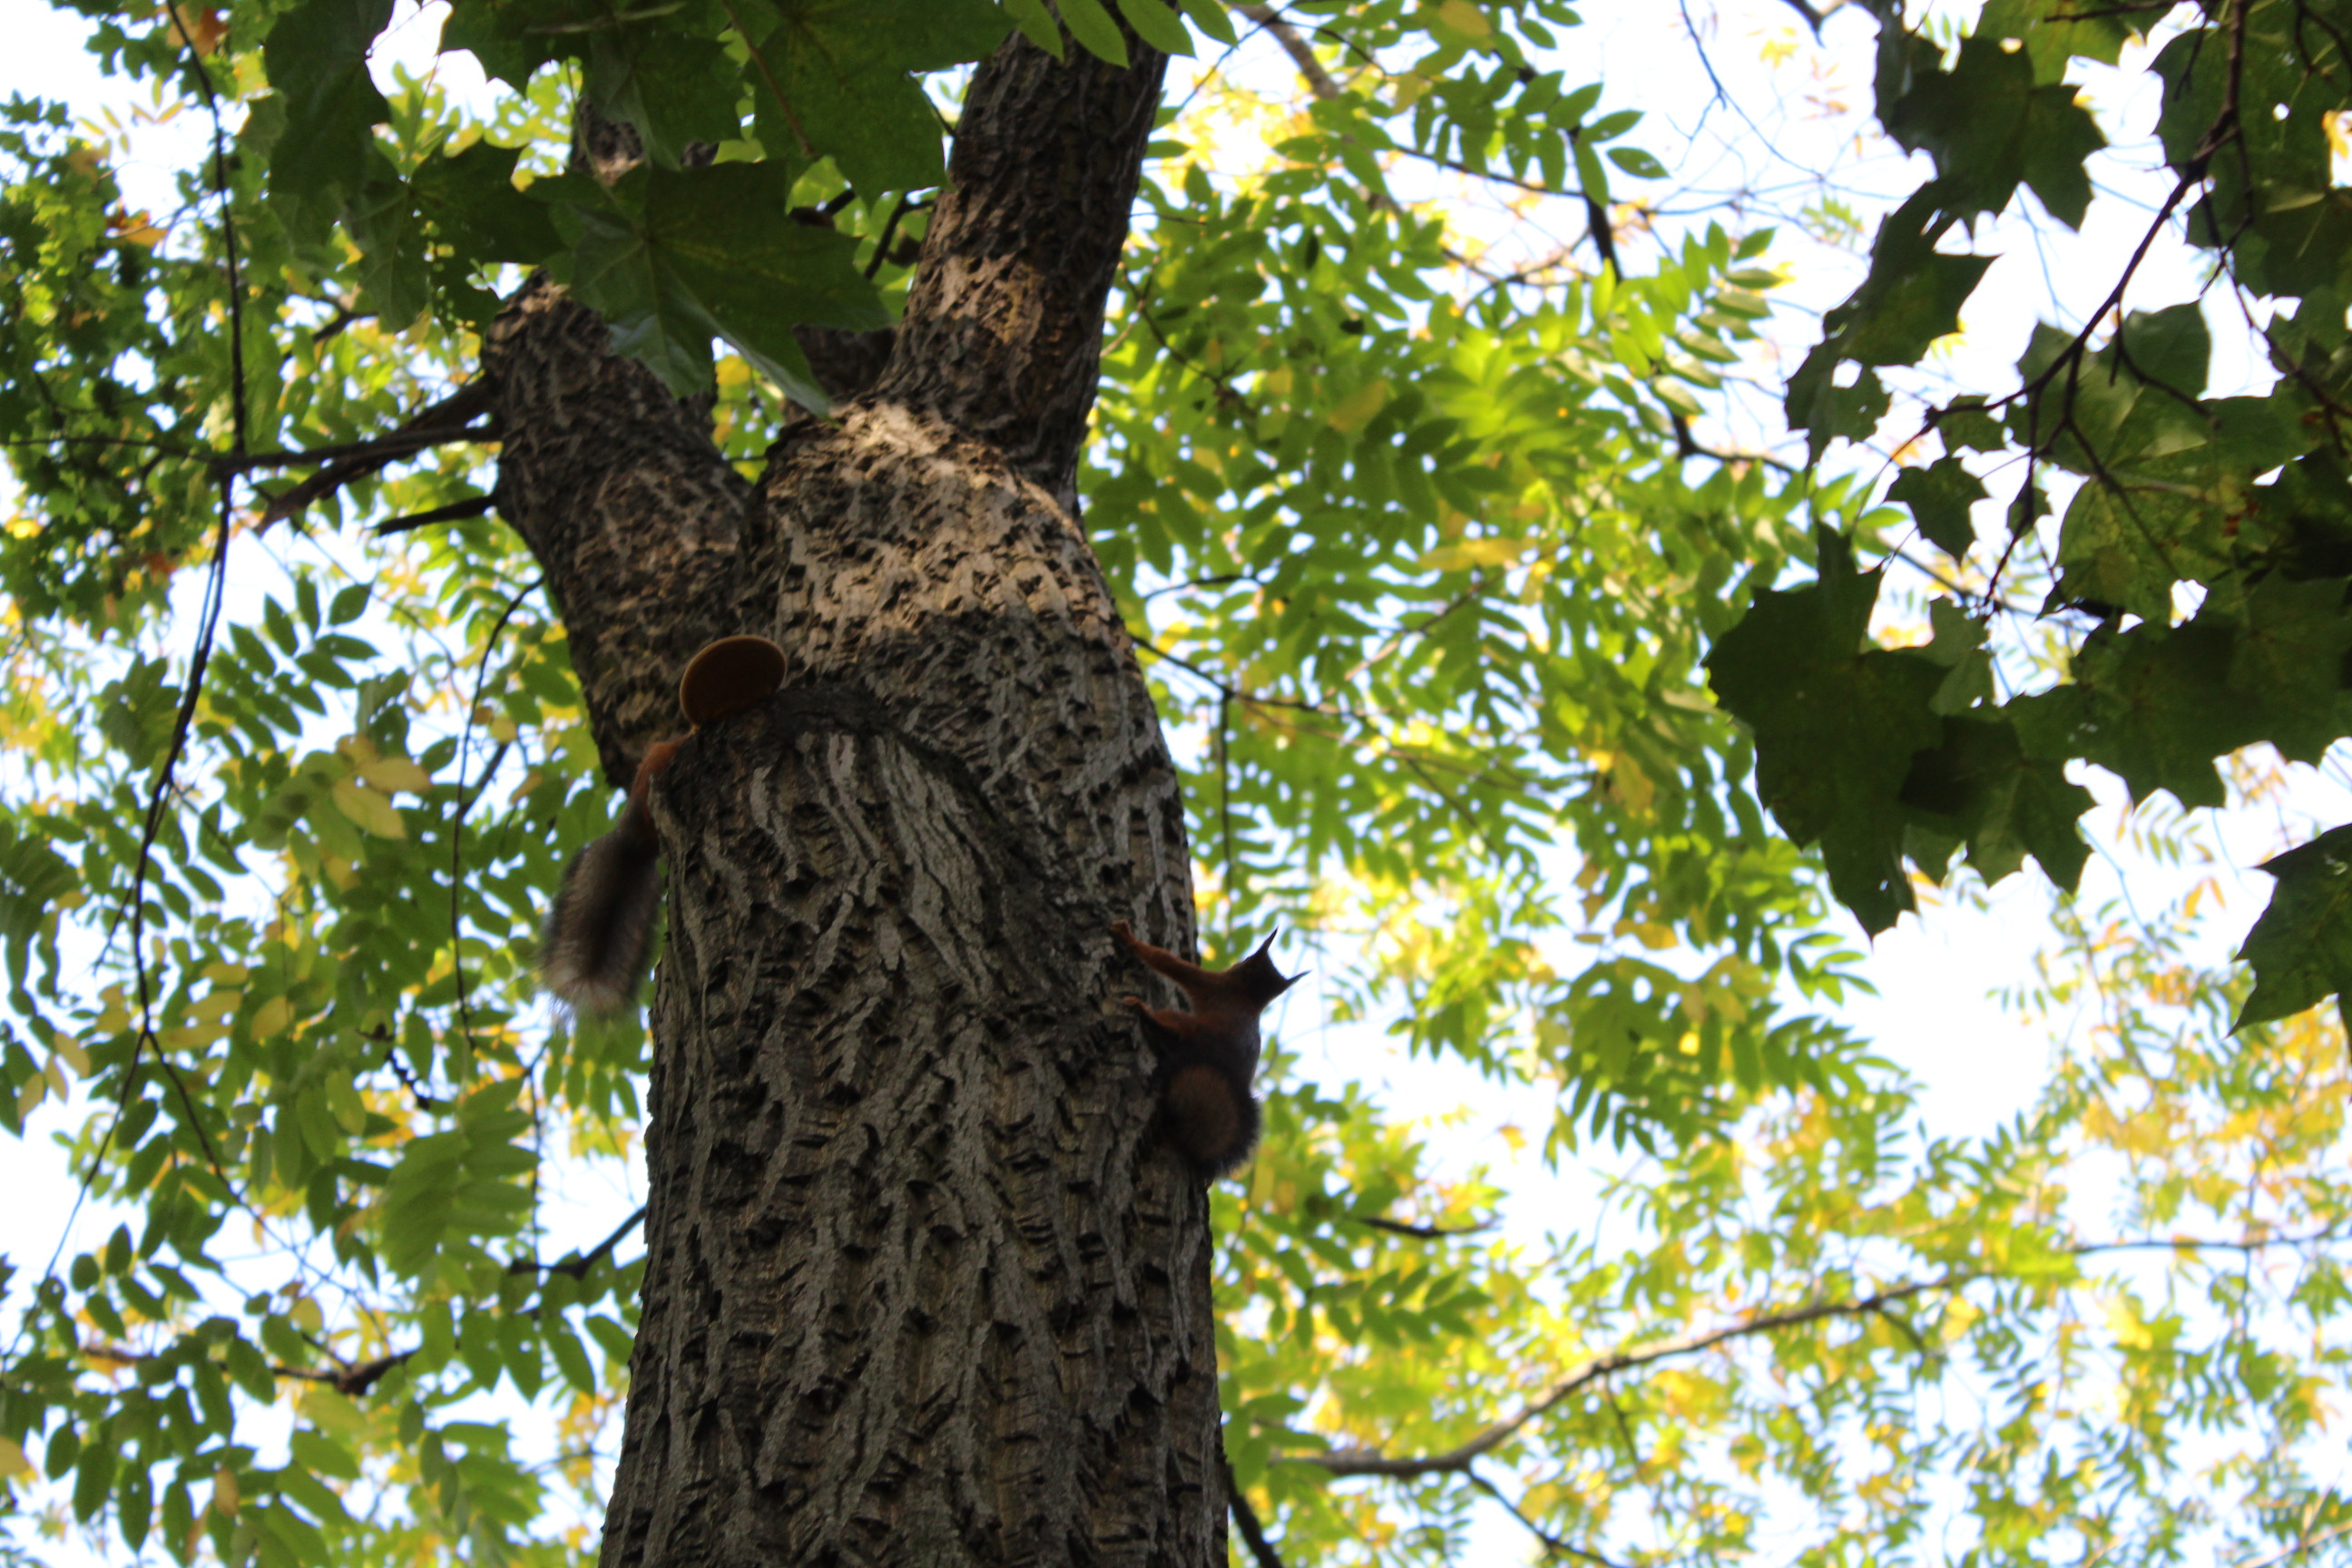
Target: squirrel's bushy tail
[
  {"x": 1211, "y": 1120},
  {"x": 600, "y": 934},
  {"x": 601, "y": 927}
]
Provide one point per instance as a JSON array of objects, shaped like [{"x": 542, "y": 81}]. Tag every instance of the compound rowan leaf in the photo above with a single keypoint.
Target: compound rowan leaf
[
  {"x": 1208, "y": 15},
  {"x": 1092, "y": 27},
  {"x": 1157, "y": 24}
]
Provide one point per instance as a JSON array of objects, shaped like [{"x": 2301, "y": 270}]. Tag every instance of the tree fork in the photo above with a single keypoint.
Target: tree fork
[{"x": 922, "y": 1286}]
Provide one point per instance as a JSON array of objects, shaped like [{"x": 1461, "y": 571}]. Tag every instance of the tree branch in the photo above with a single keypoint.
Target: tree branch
[
  {"x": 1420, "y": 1231},
  {"x": 1458, "y": 1460},
  {"x": 1318, "y": 80},
  {"x": 1367, "y": 1462},
  {"x": 578, "y": 1265},
  {"x": 1002, "y": 332},
  {"x": 437, "y": 424},
  {"x": 1245, "y": 1519}
]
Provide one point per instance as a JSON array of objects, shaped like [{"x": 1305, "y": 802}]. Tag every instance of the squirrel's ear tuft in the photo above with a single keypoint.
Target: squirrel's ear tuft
[
  {"x": 1257, "y": 974},
  {"x": 731, "y": 675}
]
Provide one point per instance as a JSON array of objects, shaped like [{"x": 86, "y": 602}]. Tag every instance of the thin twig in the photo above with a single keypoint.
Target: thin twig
[
  {"x": 456, "y": 511},
  {"x": 1551, "y": 1542},
  {"x": 1419, "y": 1232},
  {"x": 465, "y": 803},
  {"x": 1368, "y": 1462},
  {"x": 578, "y": 1266},
  {"x": 1245, "y": 1519}
]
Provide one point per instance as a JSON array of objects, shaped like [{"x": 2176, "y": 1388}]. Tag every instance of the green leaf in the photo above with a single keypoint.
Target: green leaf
[
  {"x": 1939, "y": 496},
  {"x": 1837, "y": 723},
  {"x": 512, "y": 39},
  {"x": 2288, "y": 662},
  {"x": 1095, "y": 32},
  {"x": 673, "y": 257},
  {"x": 675, "y": 90},
  {"x": 2154, "y": 706},
  {"x": 2301, "y": 948},
  {"x": 1037, "y": 24},
  {"x": 1960, "y": 648},
  {"x": 1635, "y": 161},
  {"x": 1906, "y": 309},
  {"x": 1980, "y": 785},
  {"x": 322, "y": 1455},
  {"x": 832, "y": 78},
  {"x": 1208, "y": 15},
  {"x": 1990, "y": 127},
  {"x": 317, "y": 58},
  {"x": 469, "y": 200},
  {"x": 2055, "y": 31},
  {"x": 393, "y": 282},
  {"x": 1157, "y": 24}
]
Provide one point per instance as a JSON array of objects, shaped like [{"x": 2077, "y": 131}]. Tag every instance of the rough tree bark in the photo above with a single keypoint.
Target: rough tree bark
[{"x": 921, "y": 1286}]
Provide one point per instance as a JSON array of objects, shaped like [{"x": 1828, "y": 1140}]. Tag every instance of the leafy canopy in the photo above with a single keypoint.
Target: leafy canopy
[
  {"x": 2201, "y": 563},
  {"x": 1426, "y": 560}
]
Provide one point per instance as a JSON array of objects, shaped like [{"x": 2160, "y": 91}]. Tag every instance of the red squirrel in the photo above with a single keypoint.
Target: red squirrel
[
  {"x": 601, "y": 928},
  {"x": 1210, "y": 1053}
]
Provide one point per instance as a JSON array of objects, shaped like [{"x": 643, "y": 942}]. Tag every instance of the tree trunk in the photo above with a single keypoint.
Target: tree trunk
[{"x": 921, "y": 1286}]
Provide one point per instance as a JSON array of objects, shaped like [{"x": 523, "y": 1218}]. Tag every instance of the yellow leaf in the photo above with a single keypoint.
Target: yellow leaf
[
  {"x": 331, "y": 1412},
  {"x": 344, "y": 1102},
  {"x": 28, "y": 1098},
  {"x": 74, "y": 1057},
  {"x": 1475, "y": 552},
  {"x": 225, "y": 1492},
  {"x": 1633, "y": 786},
  {"x": 1466, "y": 19},
  {"x": 2125, "y": 1323},
  {"x": 1356, "y": 410},
  {"x": 270, "y": 1020},
  {"x": 389, "y": 773},
  {"x": 216, "y": 1005},
  {"x": 135, "y": 229},
  {"x": 372, "y": 811},
  {"x": 1649, "y": 933},
  {"x": 12, "y": 1459},
  {"x": 203, "y": 27}
]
